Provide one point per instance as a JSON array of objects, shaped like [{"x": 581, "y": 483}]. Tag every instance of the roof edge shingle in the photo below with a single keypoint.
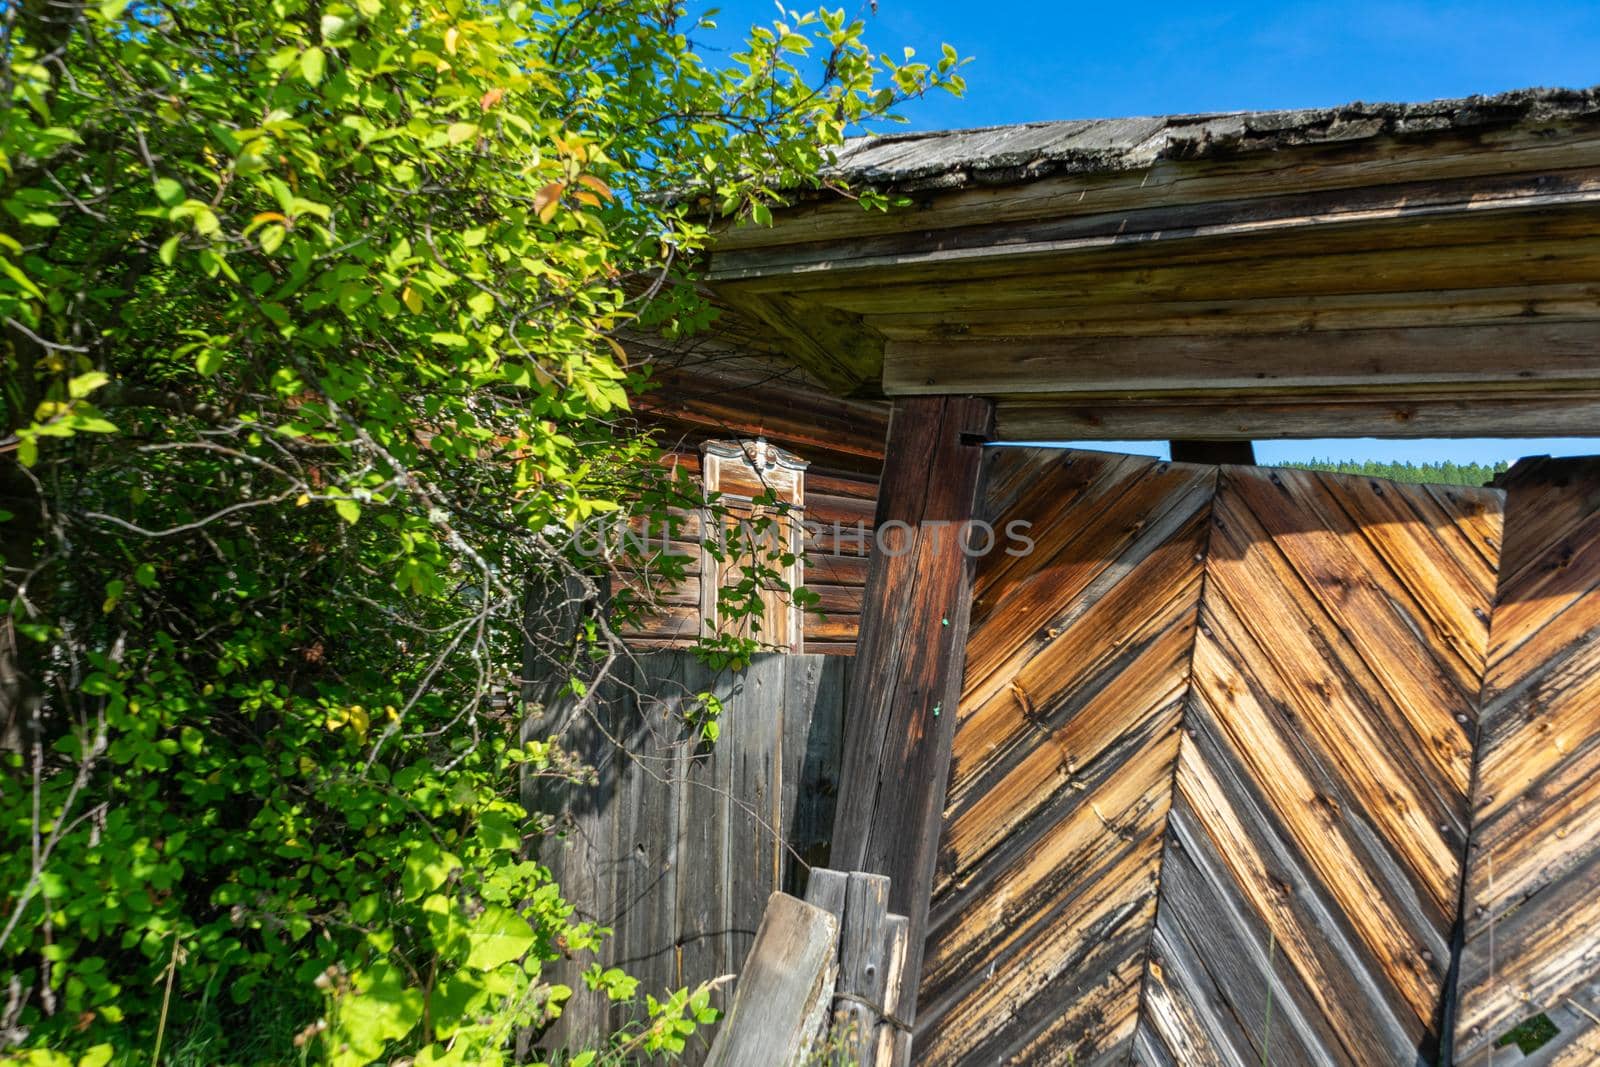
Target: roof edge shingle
[{"x": 1002, "y": 155}]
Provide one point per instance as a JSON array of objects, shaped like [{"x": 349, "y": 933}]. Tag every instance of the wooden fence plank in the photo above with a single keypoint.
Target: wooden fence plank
[
  {"x": 753, "y": 750},
  {"x": 785, "y": 988},
  {"x": 704, "y": 882},
  {"x": 862, "y": 946}
]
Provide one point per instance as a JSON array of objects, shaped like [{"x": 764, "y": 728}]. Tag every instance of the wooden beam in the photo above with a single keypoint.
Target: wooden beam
[
  {"x": 1345, "y": 359},
  {"x": 1492, "y": 413},
  {"x": 1414, "y": 210},
  {"x": 1507, "y": 257},
  {"x": 1461, "y": 154},
  {"x": 900, "y": 712},
  {"x": 1495, "y": 305},
  {"x": 833, "y": 346}
]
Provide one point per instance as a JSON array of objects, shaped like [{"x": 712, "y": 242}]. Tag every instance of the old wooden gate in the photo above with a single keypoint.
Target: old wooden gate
[{"x": 1256, "y": 766}]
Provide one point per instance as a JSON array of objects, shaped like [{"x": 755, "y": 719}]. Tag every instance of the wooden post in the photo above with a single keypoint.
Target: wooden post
[{"x": 900, "y": 714}]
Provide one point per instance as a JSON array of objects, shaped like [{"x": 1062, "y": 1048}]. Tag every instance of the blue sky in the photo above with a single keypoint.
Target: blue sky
[{"x": 1035, "y": 61}]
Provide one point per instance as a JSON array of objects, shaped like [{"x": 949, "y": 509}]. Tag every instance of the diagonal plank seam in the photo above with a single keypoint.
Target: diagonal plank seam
[{"x": 1185, "y": 738}]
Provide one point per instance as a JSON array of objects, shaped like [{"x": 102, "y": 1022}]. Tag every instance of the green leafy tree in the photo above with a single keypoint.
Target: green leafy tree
[
  {"x": 311, "y": 317},
  {"x": 1444, "y": 472}
]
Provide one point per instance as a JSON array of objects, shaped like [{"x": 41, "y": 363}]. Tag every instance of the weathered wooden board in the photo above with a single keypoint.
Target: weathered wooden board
[
  {"x": 1341, "y": 360},
  {"x": 1492, "y": 411},
  {"x": 788, "y": 982},
  {"x": 1385, "y": 214},
  {"x": 1310, "y": 883},
  {"x": 1532, "y": 901},
  {"x": 1334, "y": 167},
  {"x": 1209, "y": 794},
  {"x": 1077, "y": 669},
  {"x": 678, "y": 845},
  {"x": 899, "y": 717}
]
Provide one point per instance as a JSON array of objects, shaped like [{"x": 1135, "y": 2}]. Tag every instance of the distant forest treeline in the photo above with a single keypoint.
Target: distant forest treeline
[{"x": 1445, "y": 473}]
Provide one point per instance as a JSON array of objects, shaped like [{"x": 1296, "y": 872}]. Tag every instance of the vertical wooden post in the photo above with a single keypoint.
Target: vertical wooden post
[{"x": 900, "y": 714}]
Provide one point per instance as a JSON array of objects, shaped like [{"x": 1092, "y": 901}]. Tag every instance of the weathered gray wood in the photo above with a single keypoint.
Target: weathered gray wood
[
  {"x": 827, "y": 889},
  {"x": 703, "y": 775},
  {"x": 647, "y": 929},
  {"x": 814, "y": 704},
  {"x": 1346, "y": 359},
  {"x": 752, "y": 748},
  {"x": 784, "y": 988},
  {"x": 578, "y": 838},
  {"x": 893, "y": 1044},
  {"x": 1092, "y": 190},
  {"x": 858, "y": 997},
  {"x": 676, "y": 845}
]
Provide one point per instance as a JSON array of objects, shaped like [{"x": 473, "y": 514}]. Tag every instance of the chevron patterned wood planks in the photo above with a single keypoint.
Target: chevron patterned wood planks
[{"x": 1209, "y": 792}]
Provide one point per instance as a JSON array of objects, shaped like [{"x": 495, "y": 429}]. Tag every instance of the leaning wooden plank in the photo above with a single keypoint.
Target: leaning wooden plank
[
  {"x": 826, "y": 889},
  {"x": 784, "y": 989}
]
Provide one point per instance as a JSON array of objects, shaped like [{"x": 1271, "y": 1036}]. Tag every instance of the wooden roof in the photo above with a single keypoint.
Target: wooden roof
[
  {"x": 1006, "y": 155},
  {"x": 1389, "y": 270}
]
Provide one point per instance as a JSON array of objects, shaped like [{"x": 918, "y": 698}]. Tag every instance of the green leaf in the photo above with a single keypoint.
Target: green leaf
[
  {"x": 84, "y": 384},
  {"x": 460, "y": 131},
  {"x": 145, "y": 575},
  {"x": 98, "y": 1056},
  {"x": 349, "y": 510},
  {"x": 169, "y": 191},
  {"x": 312, "y": 63},
  {"x": 114, "y": 590},
  {"x": 191, "y": 740},
  {"x": 383, "y": 1009},
  {"x": 497, "y": 936},
  {"x": 169, "y": 249},
  {"x": 425, "y": 870},
  {"x": 208, "y": 360}
]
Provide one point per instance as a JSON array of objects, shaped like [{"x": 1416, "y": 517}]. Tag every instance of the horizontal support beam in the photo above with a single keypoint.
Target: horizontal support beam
[
  {"x": 1345, "y": 359},
  {"x": 1569, "y": 412},
  {"x": 1492, "y": 305},
  {"x": 1414, "y": 208},
  {"x": 1463, "y": 154}
]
